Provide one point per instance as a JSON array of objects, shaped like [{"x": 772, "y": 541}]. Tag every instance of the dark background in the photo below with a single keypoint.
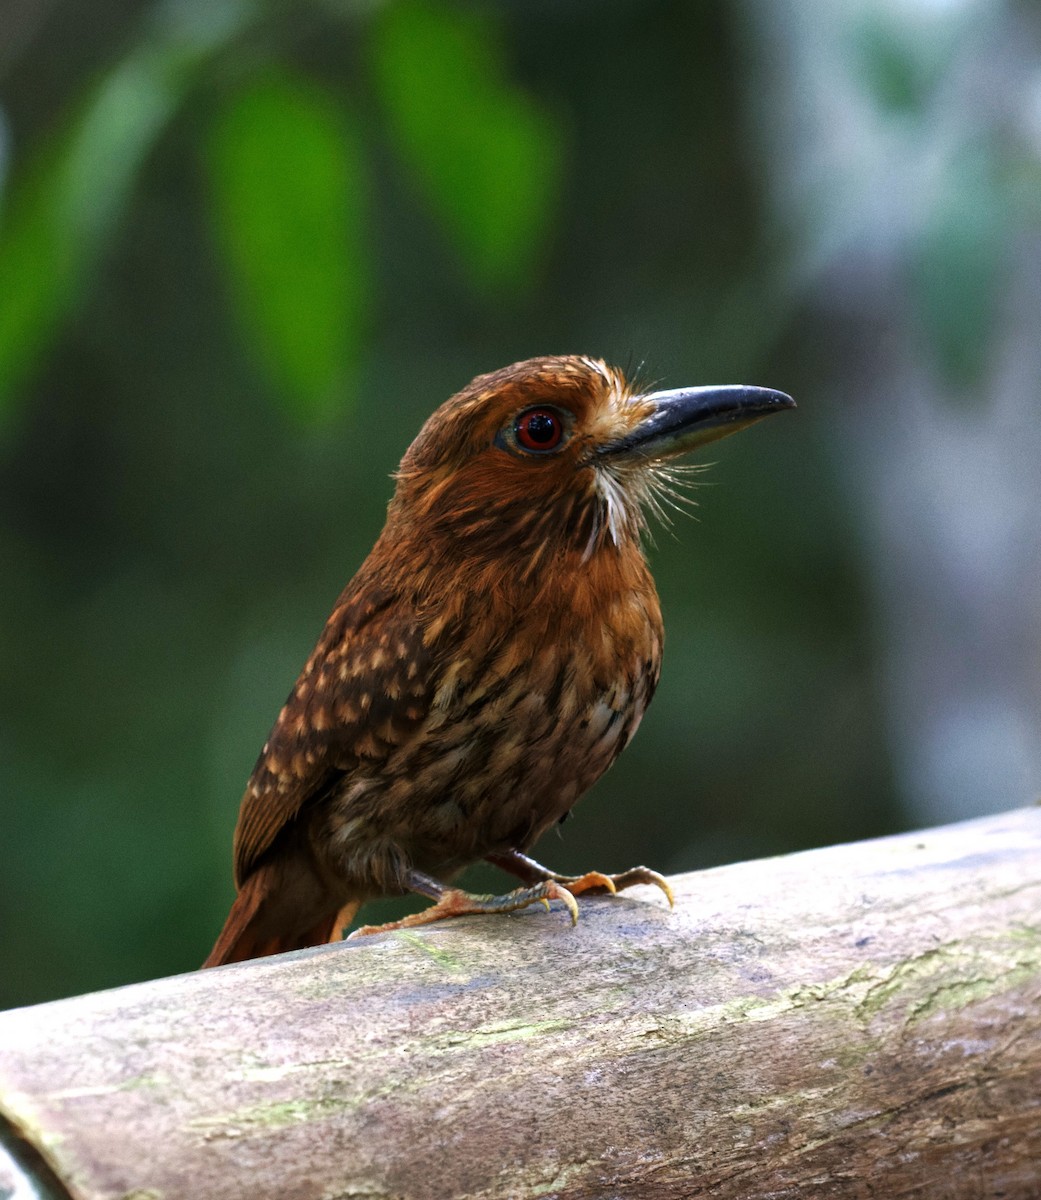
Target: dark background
[{"x": 246, "y": 248}]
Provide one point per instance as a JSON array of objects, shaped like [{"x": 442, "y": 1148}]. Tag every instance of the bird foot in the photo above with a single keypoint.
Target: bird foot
[
  {"x": 456, "y": 903},
  {"x": 597, "y": 883}
]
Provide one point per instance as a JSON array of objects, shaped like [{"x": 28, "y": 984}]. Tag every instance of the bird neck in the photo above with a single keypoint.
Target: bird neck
[
  {"x": 515, "y": 561},
  {"x": 479, "y": 517}
]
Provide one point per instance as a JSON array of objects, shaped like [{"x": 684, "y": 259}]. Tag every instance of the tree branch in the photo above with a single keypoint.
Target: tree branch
[{"x": 858, "y": 1021}]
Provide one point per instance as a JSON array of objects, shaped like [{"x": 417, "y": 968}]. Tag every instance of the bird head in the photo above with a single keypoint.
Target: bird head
[{"x": 559, "y": 451}]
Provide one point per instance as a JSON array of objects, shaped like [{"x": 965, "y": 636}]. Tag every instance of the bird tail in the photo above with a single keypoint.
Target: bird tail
[{"x": 250, "y": 932}]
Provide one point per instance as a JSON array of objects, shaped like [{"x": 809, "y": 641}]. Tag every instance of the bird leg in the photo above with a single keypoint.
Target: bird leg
[
  {"x": 343, "y": 919},
  {"x": 594, "y": 882},
  {"x": 452, "y": 902}
]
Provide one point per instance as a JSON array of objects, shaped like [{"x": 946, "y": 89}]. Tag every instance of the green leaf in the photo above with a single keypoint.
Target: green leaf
[
  {"x": 66, "y": 203},
  {"x": 288, "y": 175},
  {"x": 486, "y": 155}
]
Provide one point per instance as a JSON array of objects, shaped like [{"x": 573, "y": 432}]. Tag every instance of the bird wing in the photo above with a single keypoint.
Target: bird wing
[{"x": 365, "y": 690}]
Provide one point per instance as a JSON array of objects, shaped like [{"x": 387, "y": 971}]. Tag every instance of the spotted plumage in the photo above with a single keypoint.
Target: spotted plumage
[{"x": 488, "y": 662}]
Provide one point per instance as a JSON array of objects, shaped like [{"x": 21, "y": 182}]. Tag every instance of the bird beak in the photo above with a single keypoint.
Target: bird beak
[{"x": 685, "y": 418}]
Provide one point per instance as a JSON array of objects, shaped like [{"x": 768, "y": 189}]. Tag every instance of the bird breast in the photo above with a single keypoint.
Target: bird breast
[{"x": 532, "y": 705}]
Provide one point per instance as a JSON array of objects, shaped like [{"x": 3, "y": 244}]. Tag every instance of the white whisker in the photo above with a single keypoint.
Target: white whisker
[{"x": 629, "y": 494}]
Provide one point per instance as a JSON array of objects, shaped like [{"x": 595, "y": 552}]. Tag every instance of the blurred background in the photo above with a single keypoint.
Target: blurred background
[{"x": 246, "y": 247}]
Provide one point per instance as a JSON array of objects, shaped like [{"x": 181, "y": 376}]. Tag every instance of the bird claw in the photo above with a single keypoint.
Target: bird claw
[
  {"x": 646, "y": 876},
  {"x": 565, "y": 896}
]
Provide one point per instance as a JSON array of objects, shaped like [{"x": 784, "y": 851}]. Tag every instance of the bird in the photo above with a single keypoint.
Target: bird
[{"x": 487, "y": 663}]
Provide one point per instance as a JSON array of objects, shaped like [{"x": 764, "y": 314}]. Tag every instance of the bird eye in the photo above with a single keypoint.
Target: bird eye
[{"x": 539, "y": 430}]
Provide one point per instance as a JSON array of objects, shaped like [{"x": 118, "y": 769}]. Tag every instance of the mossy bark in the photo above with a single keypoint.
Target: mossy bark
[{"x": 858, "y": 1021}]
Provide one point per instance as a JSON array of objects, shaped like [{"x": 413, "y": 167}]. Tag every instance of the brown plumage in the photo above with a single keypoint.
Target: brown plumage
[{"x": 488, "y": 662}]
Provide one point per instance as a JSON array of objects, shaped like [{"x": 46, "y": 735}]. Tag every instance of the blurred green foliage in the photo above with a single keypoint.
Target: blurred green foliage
[
  {"x": 484, "y": 152},
  {"x": 68, "y": 197},
  {"x": 245, "y": 252},
  {"x": 289, "y": 201},
  {"x": 956, "y": 274}
]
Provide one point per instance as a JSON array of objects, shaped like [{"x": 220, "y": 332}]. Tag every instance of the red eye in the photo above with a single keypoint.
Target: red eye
[{"x": 539, "y": 430}]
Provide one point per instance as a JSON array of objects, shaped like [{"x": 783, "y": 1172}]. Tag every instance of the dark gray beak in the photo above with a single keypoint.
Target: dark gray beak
[{"x": 685, "y": 418}]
